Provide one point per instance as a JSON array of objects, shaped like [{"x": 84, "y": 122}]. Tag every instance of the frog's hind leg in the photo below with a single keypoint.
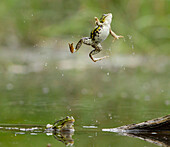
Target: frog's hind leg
[
  {"x": 85, "y": 40},
  {"x": 97, "y": 49}
]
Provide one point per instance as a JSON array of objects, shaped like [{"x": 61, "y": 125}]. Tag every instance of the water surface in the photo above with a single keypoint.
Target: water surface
[{"x": 95, "y": 95}]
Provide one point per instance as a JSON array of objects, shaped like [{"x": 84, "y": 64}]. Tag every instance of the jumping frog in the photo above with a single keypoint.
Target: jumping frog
[
  {"x": 98, "y": 35},
  {"x": 65, "y": 124}
]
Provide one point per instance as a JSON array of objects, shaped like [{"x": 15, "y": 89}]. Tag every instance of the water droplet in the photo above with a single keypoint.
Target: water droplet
[
  {"x": 129, "y": 36},
  {"x": 9, "y": 86},
  {"x": 132, "y": 46},
  {"x": 109, "y": 49},
  {"x": 108, "y": 74},
  {"x": 45, "y": 90},
  {"x": 62, "y": 75},
  {"x": 167, "y": 102},
  {"x": 110, "y": 117},
  {"x": 46, "y": 64},
  {"x": 96, "y": 134}
]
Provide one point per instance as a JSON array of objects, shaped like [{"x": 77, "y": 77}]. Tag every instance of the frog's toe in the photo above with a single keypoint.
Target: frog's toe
[
  {"x": 71, "y": 47},
  {"x": 117, "y": 37},
  {"x": 121, "y": 36},
  {"x": 96, "y": 18}
]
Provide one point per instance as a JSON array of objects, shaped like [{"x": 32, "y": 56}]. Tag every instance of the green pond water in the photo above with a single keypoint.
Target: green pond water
[{"x": 95, "y": 97}]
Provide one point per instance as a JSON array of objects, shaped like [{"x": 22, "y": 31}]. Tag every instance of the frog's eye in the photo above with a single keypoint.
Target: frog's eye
[
  {"x": 102, "y": 19},
  {"x": 67, "y": 117},
  {"x": 104, "y": 16}
]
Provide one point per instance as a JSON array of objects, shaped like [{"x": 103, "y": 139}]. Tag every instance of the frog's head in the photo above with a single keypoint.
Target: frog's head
[
  {"x": 68, "y": 123},
  {"x": 106, "y": 18},
  {"x": 69, "y": 119}
]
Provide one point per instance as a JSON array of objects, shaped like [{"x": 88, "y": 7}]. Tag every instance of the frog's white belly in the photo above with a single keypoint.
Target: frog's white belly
[{"x": 103, "y": 34}]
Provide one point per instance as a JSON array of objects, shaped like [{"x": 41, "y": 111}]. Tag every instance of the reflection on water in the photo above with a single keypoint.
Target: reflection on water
[
  {"x": 161, "y": 138},
  {"x": 64, "y": 137},
  {"x": 158, "y": 138}
]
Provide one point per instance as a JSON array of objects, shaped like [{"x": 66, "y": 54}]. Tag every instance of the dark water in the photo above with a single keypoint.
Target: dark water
[{"x": 94, "y": 96}]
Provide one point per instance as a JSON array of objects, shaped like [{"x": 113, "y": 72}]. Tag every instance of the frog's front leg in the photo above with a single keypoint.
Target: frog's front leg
[
  {"x": 97, "y": 49},
  {"x": 85, "y": 40},
  {"x": 97, "y": 22},
  {"x": 114, "y": 35}
]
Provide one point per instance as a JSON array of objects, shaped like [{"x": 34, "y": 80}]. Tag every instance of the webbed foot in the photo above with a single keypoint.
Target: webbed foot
[{"x": 71, "y": 47}]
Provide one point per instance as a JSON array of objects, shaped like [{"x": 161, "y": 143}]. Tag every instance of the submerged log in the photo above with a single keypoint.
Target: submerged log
[
  {"x": 156, "y": 131},
  {"x": 156, "y": 125}
]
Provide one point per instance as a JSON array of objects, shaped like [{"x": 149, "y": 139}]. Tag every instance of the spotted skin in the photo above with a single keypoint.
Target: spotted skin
[{"x": 95, "y": 32}]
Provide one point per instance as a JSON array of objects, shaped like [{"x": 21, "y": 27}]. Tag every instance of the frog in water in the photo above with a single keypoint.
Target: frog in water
[
  {"x": 97, "y": 36},
  {"x": 65, "y": 124}
]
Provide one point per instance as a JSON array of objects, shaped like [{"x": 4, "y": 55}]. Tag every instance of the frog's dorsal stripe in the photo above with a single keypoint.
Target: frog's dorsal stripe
[
  {"x": 95, "y": 32},
  {"x": 102, "y": 19}
]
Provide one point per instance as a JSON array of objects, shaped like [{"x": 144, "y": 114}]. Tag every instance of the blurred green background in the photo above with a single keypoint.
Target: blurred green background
[
  {"x": 26, "y": 23},
  {"x": 41, "y": 81}
]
